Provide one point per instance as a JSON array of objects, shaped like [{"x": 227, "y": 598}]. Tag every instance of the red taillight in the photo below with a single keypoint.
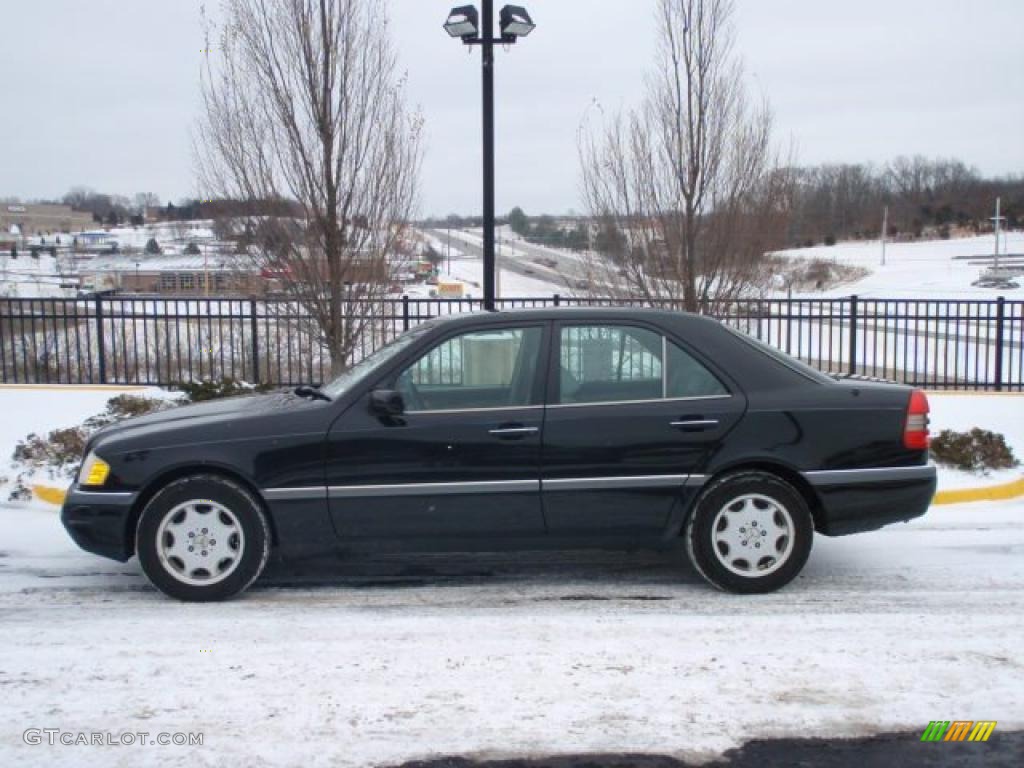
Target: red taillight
[{"x": 915, "y": 433}]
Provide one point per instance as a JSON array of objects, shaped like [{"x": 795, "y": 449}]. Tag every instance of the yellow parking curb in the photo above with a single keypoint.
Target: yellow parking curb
[
  {"x": 49, "y": 494},
  {"x": 1001, "y": 492}
]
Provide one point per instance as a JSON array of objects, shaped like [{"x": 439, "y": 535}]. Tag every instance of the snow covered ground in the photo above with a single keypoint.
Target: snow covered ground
[
  {"x": 377, "y": 661},
  {"x": 932, "y": 269}
]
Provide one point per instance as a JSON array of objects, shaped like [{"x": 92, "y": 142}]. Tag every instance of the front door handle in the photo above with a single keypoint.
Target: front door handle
[
  {"x": 695, "y": 425},
  {"x": 512, "y": 433}
]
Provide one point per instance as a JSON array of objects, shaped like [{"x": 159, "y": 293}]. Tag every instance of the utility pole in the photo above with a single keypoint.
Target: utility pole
[
  {"x": 487, "y": 48},
  {"x": 497, "y": 271},
  {"x": 997, "y": 219},
  {"x": 885, "y": 231}
]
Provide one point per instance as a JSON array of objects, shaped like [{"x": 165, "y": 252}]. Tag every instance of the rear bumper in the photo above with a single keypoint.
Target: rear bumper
[
  {"x": 856, "y": 500},
  {"x": 98, "y": 522}
]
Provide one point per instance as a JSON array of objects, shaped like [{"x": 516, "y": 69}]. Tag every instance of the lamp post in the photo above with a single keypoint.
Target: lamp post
[{"x": 465, "y": 23}]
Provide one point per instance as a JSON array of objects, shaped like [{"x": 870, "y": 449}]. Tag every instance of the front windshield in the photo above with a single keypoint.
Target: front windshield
[{"x": 368, "y": 364}]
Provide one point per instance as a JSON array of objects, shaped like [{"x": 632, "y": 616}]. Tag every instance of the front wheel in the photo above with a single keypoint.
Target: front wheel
[
  {"x": 750, "y": 532},
  {"x": 202, "y": 538}
]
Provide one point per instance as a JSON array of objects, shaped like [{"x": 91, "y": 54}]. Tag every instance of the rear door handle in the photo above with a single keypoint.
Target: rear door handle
[
  {"x": 695, "y": 425},
  {"x": 511, "y": 433}
]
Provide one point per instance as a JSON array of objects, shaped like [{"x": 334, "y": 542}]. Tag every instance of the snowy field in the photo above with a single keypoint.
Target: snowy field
[
  {"x": 930, "y": 269},
  {"x": 374, "y": 662}
]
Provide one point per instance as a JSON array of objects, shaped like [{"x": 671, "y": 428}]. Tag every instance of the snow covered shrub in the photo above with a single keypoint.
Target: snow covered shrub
[
  {"x": 55, "y": 456},
  {"x": 198, "y": 391},
  {"x": 976, "y": 451}
]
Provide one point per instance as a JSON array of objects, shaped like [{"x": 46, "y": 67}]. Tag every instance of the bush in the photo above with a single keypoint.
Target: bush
[
  {"x": 976, "y": 451},
  {"x": 830, "y": 240},
  {"x": 59, "y": 452},
  {"x": 200, "y": 391}
]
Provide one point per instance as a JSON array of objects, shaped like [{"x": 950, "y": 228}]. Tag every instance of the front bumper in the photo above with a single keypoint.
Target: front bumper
[
  {"x": 856, "y": 500},
  {"x": 99, "y": 522}
]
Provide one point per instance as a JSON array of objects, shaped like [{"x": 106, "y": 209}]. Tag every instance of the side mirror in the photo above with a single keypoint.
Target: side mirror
[{"x": 387, "y": 402}]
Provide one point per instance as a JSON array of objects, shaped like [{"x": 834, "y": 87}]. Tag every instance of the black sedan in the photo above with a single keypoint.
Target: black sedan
[{"x": 515, "y": 430}]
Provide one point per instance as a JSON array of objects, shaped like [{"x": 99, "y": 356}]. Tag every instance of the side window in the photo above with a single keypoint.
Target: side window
[
  {"x": 688, "y": 378},
  {"x": 482, "y": 369},
  {"x": 610, "y": 363}
]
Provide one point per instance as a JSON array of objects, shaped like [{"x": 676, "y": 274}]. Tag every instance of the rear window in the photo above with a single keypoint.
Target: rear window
[{"x": 781, "y": 357}]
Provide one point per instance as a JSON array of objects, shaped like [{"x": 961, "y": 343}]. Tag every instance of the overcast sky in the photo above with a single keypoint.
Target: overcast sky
[{"x": 105, "y": 93}]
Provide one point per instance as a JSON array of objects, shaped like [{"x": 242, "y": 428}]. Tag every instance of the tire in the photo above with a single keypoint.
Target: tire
[
  {"x": 177, "y": 539},
  {"x": 736, "y": 556}
]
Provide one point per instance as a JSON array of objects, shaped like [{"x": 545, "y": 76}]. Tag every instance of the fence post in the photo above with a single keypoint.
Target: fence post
[
  {"x": 254, "y": 329},
  {"x": 101, "y": 345},
  {"x": 1000, "y": 324},
  {"x": 853, "y": 335},
  {"x": 405, "y": 313},
  {"x": 558, "y": 300}
]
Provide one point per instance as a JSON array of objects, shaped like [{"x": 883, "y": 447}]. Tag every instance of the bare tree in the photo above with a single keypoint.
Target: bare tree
[
  {"x": 304, "y": 105},
  {"x": 688, "y": 181}
]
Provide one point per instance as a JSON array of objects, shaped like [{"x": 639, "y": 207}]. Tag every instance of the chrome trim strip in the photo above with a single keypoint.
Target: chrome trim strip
[
  {"x": 481, "y": 487},
  {"x": 99, "y": 495},
  {"x": 598, "y": 483},
  {"x": 447, "y": 489},
  {"x": 641, "y": 402},
  {"x": 482, "y": 410},
  {"x": 291, "y": 494},
  {"x": 874, "y": 475}
]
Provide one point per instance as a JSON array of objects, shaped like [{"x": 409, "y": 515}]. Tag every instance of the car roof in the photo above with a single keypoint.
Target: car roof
[{"x": 574, "y": 313}]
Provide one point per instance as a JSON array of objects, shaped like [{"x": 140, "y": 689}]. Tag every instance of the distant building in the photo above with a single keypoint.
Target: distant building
[
  {"x": 33, "y": 219},
  {"x": 175, "y": 275}
]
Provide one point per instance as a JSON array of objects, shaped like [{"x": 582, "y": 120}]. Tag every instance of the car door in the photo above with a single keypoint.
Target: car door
[
  {"x": 462, "y": 460},
  {"x": 632, "y": 415}
]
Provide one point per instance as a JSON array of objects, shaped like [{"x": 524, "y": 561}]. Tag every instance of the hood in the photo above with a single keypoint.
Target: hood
[{"x": 227, "y": 409}]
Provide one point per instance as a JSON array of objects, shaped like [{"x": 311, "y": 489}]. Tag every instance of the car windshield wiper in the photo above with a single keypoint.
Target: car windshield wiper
[{"x": 313, "y": 393}]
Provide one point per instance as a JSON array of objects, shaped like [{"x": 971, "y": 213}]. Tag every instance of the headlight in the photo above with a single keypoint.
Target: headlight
[{"x": 94, "y": 471}]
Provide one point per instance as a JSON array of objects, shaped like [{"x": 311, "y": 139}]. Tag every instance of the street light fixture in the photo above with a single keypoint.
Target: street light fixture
[
  {"x": 515, "y": 22},
  {"x": 465, "y": 23}
]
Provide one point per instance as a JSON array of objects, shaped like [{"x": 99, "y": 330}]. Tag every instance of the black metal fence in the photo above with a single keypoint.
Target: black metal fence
[{"x": 939, "y": 344}]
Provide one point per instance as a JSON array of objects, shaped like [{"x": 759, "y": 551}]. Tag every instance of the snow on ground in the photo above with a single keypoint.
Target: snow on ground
[
  {"x": 512, "y": 655},
  {"x": 29, "y": 278},
  {"x": 919, "y": 270},
  {"x": 371, "y": 662}
]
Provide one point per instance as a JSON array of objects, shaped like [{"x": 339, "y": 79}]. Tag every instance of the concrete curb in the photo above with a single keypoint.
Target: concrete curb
[
  {"x": 1001, "y": 492},
  {"x": 49, "y": 494}
]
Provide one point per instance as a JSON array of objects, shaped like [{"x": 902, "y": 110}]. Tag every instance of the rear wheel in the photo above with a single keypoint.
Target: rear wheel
[
  {"x": 750, "y": 532},
  {"x": 202, "y": 538}
]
